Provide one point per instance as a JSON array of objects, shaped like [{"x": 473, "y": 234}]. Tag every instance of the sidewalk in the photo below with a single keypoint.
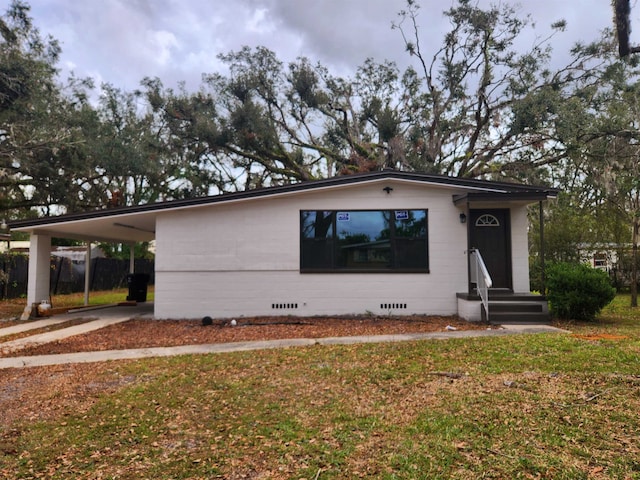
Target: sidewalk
[
  {"x": 100, "y": 317},
  {"x": 121, "y": 314}
]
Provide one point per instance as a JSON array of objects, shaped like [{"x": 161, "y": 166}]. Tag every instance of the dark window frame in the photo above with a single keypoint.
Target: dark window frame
[{"x": 329, "y": 246}]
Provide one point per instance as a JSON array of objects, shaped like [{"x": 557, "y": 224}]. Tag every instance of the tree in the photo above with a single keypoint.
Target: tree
[
  {"x": 474, "y": 107},
  {"x": 27, "y": 88},
  {"x": 616, "y": 171},
  {"x": 602, "y": 138},
  {"x": 266, "y": 123},
  {"x": 42, "y": 129},
  {"x": 185, "y": 134},
  {"x": 488, "y": 109},
  {"x": 622, "y": 11},
  {"x": 300, "y": 122}
]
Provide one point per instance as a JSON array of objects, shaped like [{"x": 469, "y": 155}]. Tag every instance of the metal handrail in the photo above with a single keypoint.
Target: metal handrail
[{"x": 481, "y": 278}]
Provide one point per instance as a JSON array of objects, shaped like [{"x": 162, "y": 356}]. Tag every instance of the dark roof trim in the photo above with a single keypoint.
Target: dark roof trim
[
  {"x": 387, "y": 174},
  {"x": 500, "y": 197}
]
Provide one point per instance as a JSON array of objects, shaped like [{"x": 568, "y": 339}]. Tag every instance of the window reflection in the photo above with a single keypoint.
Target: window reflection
[
  {"x": 367, "y": 240},
  {"x": 363, "y": 239}
]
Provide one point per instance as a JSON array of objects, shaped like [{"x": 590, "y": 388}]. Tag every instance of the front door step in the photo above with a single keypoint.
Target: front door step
[
  {"x": 506, "y": 306},
  {"x": 510, "y": 311}
]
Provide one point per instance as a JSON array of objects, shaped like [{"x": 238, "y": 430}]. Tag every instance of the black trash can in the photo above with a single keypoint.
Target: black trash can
[{"x": 137, "y": 283}]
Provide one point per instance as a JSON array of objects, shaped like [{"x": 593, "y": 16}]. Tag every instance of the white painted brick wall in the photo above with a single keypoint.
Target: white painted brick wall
[
  {"x": 520, "y": 248},
  {"x": 239, "y": 258}
]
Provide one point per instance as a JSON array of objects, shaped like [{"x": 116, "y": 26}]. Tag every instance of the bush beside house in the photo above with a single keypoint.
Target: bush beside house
[{"x": 577, "y": 291}]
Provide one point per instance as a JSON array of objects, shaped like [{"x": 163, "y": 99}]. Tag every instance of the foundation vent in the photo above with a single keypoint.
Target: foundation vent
[
  {"x": 393, "y": 306},
  {"x": 283, "y": 306}
]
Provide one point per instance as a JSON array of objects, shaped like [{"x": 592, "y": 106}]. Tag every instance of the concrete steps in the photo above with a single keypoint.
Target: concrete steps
[
  {"x": 506, "y": 307},
  {"x": 510, "y": 312}
]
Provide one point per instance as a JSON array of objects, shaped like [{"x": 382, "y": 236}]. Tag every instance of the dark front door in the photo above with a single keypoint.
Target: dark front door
[{"x": 489, "y": 232}]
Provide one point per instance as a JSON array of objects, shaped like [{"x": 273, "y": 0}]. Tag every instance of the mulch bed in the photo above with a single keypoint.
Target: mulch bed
[{"x": 145, "y": 333}]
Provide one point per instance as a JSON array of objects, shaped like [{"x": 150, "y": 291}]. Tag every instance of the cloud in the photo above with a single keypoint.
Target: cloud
[
  {"x": 178, "y": 40},
  {"x": 160, "y": 46},
  {"x": 260, "y": 23},
  {"x": 340, "y": 33}
]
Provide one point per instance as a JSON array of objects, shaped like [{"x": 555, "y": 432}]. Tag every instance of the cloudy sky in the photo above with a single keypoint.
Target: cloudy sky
[{"x": 122, "y": 41}]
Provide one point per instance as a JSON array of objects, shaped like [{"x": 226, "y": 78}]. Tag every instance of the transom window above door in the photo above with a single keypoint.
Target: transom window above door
[{"x": 487, "y": 220}]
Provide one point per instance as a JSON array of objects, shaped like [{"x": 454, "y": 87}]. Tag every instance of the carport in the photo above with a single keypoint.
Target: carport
[{"x": 128, "y": 225}]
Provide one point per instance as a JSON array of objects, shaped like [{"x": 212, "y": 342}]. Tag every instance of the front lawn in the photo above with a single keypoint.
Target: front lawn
[{"x": 533, "y": 406}]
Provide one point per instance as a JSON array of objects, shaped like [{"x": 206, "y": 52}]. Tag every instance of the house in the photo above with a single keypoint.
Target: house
[
  {"x": 385, "y": 242},
  {"x": 614, "y": 258},
  {"x": 602, "y": 255}
]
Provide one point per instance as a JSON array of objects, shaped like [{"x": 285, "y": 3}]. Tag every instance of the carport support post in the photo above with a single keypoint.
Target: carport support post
[
  {"x": 542, "y": 265},
  {"x": 38, "y": 282},
  {"x": 87, "y": 273},
  {"x": 132, "y": 258}
]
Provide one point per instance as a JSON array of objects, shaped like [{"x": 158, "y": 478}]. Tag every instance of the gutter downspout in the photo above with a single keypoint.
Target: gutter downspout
[
  {"x": 87, "y": 273},
  {"x": 542, "y": 264},
  {"x": 469, "y": 247}
]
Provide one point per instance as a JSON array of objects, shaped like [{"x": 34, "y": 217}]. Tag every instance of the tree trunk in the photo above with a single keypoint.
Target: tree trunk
[{"x": 634, "y": 262}]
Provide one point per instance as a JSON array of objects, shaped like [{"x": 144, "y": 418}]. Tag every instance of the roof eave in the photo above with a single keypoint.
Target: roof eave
[
  {"x": 481, "y": 187},
  {"x": 520, "y": 197}
]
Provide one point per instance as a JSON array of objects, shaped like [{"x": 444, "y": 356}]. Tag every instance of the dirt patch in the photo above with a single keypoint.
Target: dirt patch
[
  {"x": 146, "y": 333},
  {"x": 42, "y": 393}
]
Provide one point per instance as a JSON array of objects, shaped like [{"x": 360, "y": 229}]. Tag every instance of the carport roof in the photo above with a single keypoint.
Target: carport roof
[{"x": 137, "y": 223}]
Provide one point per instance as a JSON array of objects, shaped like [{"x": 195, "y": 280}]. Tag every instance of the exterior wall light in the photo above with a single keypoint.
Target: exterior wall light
[{"x": 463, "y": 218}]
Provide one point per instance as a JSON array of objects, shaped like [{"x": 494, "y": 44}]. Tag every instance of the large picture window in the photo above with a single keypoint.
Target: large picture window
[{"x": 364, "y": 240}]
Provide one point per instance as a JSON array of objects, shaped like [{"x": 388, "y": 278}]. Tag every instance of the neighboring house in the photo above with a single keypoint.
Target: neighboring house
[
  {"x": 76, "y": 255},
  {"x": 384, "y": 242},
  {"x": 613, "y": 258},
  {"x": 603, "y": 256}
]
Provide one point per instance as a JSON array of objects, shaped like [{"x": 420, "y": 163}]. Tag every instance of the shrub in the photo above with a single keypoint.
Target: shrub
[{"x": 577, "y": 291}]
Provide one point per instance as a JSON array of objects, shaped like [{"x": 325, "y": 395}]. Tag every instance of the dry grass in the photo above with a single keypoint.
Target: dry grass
[{"x": 533, "y": 406}]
